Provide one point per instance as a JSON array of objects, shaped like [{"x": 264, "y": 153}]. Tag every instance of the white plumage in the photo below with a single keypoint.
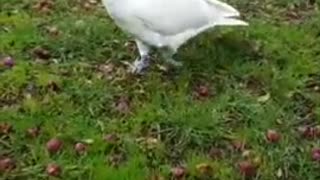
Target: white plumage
[{"x": 167, "y": 24}]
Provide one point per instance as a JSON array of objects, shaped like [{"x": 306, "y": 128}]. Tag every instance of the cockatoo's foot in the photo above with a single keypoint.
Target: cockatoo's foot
[
  {"x": 174, "y": 62},
  {"x": 140, "y": 65}
]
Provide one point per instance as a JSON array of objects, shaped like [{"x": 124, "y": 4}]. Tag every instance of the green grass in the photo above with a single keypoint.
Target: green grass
[{"x": 260, "y": 77}]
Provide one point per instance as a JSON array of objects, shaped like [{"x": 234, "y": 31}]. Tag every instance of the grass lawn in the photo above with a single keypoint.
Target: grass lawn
[{"x": 246, "y": 103}]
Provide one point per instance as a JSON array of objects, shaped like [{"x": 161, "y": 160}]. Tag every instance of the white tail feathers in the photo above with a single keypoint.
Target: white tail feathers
[
  {"x": 176, "y": 41},
  {"x": 230, "y": 22}
]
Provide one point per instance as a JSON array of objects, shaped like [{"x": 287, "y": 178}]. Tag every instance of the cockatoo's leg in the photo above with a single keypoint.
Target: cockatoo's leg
[
  {"x": 143, "y": 62},
  {"x": 167, "y": 54}
]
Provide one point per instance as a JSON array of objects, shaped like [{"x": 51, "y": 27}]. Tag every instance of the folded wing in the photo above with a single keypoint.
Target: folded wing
[{"x": 171, "y": 17}]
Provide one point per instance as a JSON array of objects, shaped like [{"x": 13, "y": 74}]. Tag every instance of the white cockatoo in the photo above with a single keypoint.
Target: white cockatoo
[{"x": 167, "y": 24}]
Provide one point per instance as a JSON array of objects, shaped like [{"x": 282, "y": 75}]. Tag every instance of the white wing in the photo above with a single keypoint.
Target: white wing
[{"x": 171, "y": 17}]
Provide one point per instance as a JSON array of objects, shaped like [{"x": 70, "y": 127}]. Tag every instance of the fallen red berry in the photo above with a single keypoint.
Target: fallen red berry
[
  {"x": 308, "y": 132},
  {"x": 54, "y": 145},
  {"x": 273, "y": 136},
  {"x": 203, "y": 91},
  {"x": 247, "y": 168},
  {"x": 7, "y": 164},
  {"x": 111, "y": 138},
  {"x": 80, "y": 148},
  {"x": 178, "y": 172},
  {"x": 53, "y": 170},
  {"x": 8, "y": 62},
  {"x": 315, "y": 153}
]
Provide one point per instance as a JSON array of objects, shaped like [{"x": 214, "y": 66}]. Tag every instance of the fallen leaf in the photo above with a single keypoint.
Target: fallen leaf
[
  {"x": 279, "y": 173},
  {"x": 239, "y": 145},
  {"x": 87, "y": 6},
  {"x": 264, "y": 98},
  {"x": 93, "y": 2},
  {"x": 204, "y": 169},
  {"x": 5, "y": 128},
  {"x": 53, "y": 31},
  {"x": 33, "y": 132},
  {"x": 107, "y": 70}
]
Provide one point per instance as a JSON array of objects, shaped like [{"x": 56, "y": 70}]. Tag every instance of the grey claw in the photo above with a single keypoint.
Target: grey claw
[{"x": 140, "y": 65}]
